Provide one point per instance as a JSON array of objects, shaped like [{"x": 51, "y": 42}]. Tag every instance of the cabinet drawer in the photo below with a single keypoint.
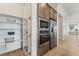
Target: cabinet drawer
[
  {"x": 3, "y": 18},
  {"x": 7, "y": 19},
  {"x": 13, "y": 20},
  {"x": 13, "y": 46},
  {"x": 9, "y": 26},
  {"x": 2, "y": 40}
]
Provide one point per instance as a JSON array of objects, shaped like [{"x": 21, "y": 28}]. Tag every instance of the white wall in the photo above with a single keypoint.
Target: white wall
[
  {"x": 34, "y": 29},
  {"x": 63, "y": 13}
]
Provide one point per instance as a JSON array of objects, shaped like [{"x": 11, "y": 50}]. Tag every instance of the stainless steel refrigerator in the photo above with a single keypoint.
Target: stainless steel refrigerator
[{"x": 53, "y": 33}]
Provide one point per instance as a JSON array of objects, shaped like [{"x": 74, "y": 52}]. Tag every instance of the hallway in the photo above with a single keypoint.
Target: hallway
[{"x": 71, "y": 44}]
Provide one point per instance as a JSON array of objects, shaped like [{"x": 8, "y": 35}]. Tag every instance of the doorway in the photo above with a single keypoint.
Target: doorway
[{"x": 69, "y": 41}]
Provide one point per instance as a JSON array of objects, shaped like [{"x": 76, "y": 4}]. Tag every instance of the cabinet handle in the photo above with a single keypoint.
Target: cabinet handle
[
  {"x": 29, "y": 17},
  {"x": 9, "y": 20}
]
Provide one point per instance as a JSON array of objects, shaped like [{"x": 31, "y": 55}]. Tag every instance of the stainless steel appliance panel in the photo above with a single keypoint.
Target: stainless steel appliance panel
[
  {"x": 53, "y": 34},
  {"x": 43, "y": 36}
]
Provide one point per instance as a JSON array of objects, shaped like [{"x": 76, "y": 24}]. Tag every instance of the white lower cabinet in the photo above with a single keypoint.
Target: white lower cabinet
[
  {"x": 2, "y": 40},
  {"x": 13, "y": 46},
  {"x": 7, "y": 47},
  {"x": 10, "y": 33},
  {"x": 2, "y": 48}
]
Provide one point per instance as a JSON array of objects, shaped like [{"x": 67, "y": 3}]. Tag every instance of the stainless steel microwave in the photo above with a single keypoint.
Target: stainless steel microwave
[{"x": 43, "y": 23}]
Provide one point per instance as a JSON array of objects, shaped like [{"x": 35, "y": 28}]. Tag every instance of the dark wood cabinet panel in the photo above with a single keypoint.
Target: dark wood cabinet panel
[
  {"x": 46, "y": 11},
  {"x": 40, "y": 10},
  {"x": 55, "y": 15},
  {"x": 43, "y": 10},
  {"x": 54, "y": 42},
  {"x": 51, "y": 13}
]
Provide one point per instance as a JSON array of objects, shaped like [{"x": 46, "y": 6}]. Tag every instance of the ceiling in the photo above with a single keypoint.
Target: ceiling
[{"x": 71, "y": 8}]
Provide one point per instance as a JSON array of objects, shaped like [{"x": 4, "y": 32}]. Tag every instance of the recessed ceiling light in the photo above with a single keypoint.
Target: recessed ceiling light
[{"x": 43, "y": 4}]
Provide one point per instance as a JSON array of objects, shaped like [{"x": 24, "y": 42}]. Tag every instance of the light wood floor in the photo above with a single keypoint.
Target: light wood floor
[
  {"x": 71, "y": 44},
  {"x": 68, "y": 47},
  {"x": 18, "y": 52},
  {"x": 57, "y": 51}
]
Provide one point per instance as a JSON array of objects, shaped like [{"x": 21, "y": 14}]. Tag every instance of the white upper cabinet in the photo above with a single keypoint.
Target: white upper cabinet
[{"x": 14, "y": 9}]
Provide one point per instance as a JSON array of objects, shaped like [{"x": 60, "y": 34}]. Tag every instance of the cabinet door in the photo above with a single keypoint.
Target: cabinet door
[
  {"x": 46, "y": 11},
  {"x": 13, "y": 46},
  {"x": 14, "y": 9},
  {"x": 54, "y": 42},
  {"x": 51, "y": 13},
  {"x": 2, "y": 48},
  {"x": 43, "y": 10},
  {"x": 40, "y": 10},
  {"x": 55, "y": 15}
]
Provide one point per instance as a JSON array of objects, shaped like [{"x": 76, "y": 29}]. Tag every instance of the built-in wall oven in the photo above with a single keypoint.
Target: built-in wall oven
[{"x": 44, "y": 36}]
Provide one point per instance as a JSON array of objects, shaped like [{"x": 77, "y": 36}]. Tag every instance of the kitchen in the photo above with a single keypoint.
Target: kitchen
[{"x": 16, "y": 28}]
